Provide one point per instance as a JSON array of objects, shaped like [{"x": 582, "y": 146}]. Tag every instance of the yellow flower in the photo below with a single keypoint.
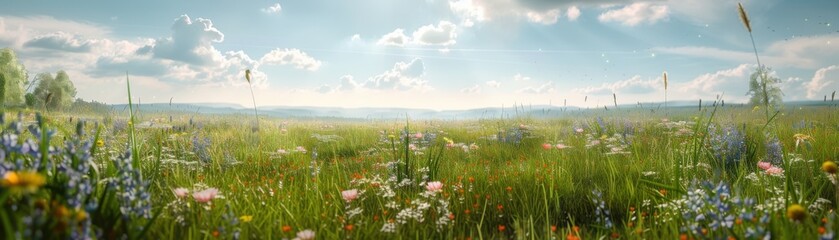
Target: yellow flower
[
  {"x": 755, "y": 108},
  {"x": 830, "y": 167},
  {"x": 796, "y": 212},
  {"x": 246, "y": 218},
  {"x": 29, "y": 181},
  {"x": 100, "y": 143},
  {"x": 448, "y": 141},
  {"x": 81, "y": 215}
]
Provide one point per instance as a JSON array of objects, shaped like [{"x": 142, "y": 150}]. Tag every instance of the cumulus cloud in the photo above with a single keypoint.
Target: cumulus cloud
[
  {"x": 295, "y": 57},
  {"x": 403, "y": 76},
  {"x": 395, "y": 38},
  {"x": 520, "y": 78},
  {"x": 636, "y": 13},
  {"x": 471, "y": 90},
  {"x": 324, "y": 89},
  {"x": 348, "y": 84},
  {"x": 443, "y": 34},
  {"x": 493, "y": 84},
  {"x": 573, "y": 13},
  {"x": 275, "y": 8},
  {"x": 710, "y": 82},
  {"x": 825, "y": 81},
  {"x": 355, "y": 38},
  {"x": 546, "y": 17},
  {"x": 191, "y": 42},
  {"x": 469, "y": 12},
  {"x": 59, "y": 41},
  {"x": 633, "y": 85},
  {"x": 542, "y": 89}
]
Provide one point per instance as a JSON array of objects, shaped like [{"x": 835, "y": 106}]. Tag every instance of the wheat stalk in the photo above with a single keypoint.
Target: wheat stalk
[{"x": 255, "y": 113}]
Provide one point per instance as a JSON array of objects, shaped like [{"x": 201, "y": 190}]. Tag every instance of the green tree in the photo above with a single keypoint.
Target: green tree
[
  {"x": 15, "y": 76},
  {"x": 54, "y": 93},
  {"x": 2, "y": 92},
  {"x": 772, "y": 89}
]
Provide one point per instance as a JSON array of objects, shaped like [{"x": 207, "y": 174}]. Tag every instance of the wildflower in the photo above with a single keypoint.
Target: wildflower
[
  {"x": 435, "y": 186},
  {"x": 306, "y": 235},
  {"x": 349, "y": 227},
  {"x": 181, "y": 192},
  {"x": 350, "y": 195},
  {"x": 774, "y": 170},
  {"x": 561, "y": 146},
  {"x": 205, "y": 196},
  {"x": 509, "y": 189},
  {"x": 830, "y": 167},
  {"x": 286, "y": 228},
  {"x": 801, "y": 138},
  {"x": 547, "y": 146},
  {"x": 579, "y": 130},
  {"x": 473, "y": 146},
  {"x": 501, "y": 228},
  {"x": 29, "y": 181},
  {"x": 300, "y": 149},
  {"x": 100, "y": 143},
  {"x": 764, "y": 165},
  {"x": 796, "y": 212},
  {"x": 282, "y": 151},
  {"x": 418, "y": 135}
]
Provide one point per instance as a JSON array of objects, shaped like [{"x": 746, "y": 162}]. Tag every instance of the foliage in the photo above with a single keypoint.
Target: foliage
[
  {"x": 15, "y": 77},
  {"x": 773, "y": 91},
  {"x": 54, "y": 93}
]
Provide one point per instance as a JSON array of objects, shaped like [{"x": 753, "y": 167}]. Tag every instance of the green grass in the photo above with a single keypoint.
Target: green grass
[{"x": 529, "y": 192}]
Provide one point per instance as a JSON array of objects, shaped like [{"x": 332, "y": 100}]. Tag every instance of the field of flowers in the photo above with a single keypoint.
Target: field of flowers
[{"x": 715, "y": 173}]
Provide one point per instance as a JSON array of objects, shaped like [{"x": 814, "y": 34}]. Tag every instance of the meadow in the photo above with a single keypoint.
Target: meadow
[{"x": 718, "y": 172}]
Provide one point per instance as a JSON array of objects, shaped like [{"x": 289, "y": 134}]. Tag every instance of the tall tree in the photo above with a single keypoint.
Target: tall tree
[
  {"x": 15, "y": 75},
  {"x": 772, "y": 91},
  {"x": 54, "y": 93}
]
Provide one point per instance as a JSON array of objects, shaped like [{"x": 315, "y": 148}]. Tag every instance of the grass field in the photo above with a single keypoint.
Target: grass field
[{"x": 626, "y": 173}]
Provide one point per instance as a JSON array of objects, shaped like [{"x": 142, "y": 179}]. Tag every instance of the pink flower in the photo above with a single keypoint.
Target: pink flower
[
  {"x": 205, "y": 196},
  {"x": 418, "y": 135},
  {"x": 181, "y": 192},
  {"x": 774, "y": 170},
  {"x": 764, "y": 165},
  {"x": 579, "y": 130},
  {"x": 306, "y": 235},
  {"x": 435, "y": 186},
  {"x": 300, "y": 149},
  {"x": 350, "y": 195},
  {"x": 547, "y": 146},
  {"x": 562, "y": 146}
]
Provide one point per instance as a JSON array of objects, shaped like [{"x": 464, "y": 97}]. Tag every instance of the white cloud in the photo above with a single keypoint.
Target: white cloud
[
  {"x": 794, "y": 88},
  {"x": 403, "y": 76},
  {"x": 573, "y": 13},
  {"x": 276, "y": 8},
  {"x": 520, "y": 78},
  {"x": 542, "y": 89},
  {"x": 633, "y": 85},
  {"x": 468, "y": 11},
  {"x": 295, "y": 57},
  {"x": 443, "y": 34},
  {"x": 355, "y": 38},
  {"x": 471, "y": 90},
  {"x": 824, "y": 81},
  {"x": 493, "y": 84},
  {"x": 348, "y": 84},
  {"x": 547, "y": 17},
  {"x": 395, "y": 38},
  {"x": 710, "y": 82},
  {"x": 59, "y": 41},
  {"x": 324, "y": 89},
  {"x": 636, "y": 13},
  {"x": 191, "y": 42}
]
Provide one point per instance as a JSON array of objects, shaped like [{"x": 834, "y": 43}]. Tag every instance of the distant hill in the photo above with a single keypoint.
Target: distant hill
[{"x": 392, "y": 113}]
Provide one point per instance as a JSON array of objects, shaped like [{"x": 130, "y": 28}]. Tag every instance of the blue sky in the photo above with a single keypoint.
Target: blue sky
[{"x": 437, "y": 54}]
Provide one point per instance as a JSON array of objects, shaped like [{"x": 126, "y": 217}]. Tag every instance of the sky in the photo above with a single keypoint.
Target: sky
[{"x": 432, "y": 54}]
